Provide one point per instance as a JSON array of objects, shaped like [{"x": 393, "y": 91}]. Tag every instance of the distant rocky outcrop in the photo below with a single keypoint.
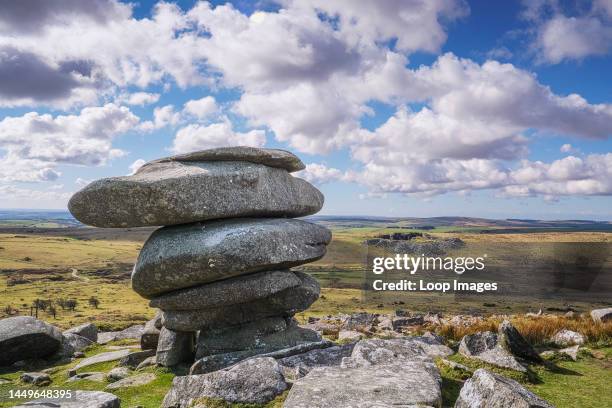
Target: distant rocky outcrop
[{"x": 428, "y": 246}]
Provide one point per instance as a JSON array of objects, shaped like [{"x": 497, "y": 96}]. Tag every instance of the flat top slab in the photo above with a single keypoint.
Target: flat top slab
[
  {"x": 393, "y": 385},
  {"x": 269, "y": 157}
]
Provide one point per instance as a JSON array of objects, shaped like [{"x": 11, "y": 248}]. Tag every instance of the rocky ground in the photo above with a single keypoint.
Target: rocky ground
[{"x": 367, "y": 360}]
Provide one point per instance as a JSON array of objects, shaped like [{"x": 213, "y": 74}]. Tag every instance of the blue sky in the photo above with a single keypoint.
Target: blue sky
[{"x": 477, "y": 108}]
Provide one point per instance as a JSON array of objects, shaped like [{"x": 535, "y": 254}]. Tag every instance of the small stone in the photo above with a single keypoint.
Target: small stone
[
  {"x": 174, "y": 347},
  {"x": 92, "y": 376},
  {"x": 254, "y": 381},
  {"x": 147, "y": 362},
  {"x": 87, "y": 330},
  {"x": 487, "y": 389},
  {"x": 215, "y": 250},
  {"x": 102, "y": 358},
  {"x": 132, "y": 332},
  {"x": 39, "y": 379},
  {"x": 25, "y": 338},
  {"x": 485, "y": 346},
  {"x": 401, "y": 322},
  {"x": 83, "y": 399},
  {"x": 601, "y": 315},
  {"x": 135, "y": 358},
  {"x": 78, "y": 354},
  {"x": 359, "y": 321},
  {"x": 565, "y": 338},
  {"x": 150, "y": 334},
  {"x": 134, "y": 381},
  {"x": 571, "y": 352},
  {"x": 118, "y": 373},
  {"x": 350, "y": 336},
  {"x": 454, "y": 365}
]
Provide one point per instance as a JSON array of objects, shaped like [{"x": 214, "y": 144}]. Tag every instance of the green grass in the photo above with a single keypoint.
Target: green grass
[{"x": 565, "y": 384}]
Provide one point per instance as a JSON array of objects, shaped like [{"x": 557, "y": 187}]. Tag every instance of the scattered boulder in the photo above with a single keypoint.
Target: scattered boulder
[
  {"x": 118, "y": 373},
  {"x": 76, "y": 342},
  {"x": 571, "y": 352},
  {"x": 40, "y": 379},
  {"x": 485, "y": 346},
  {"x": 147, "y": 362},
  {"x": 83, "y": 399},
  {"x": 91, "y": 376},
  {"x": 207, "y": 190},
  {"x": 134, "y": 381},
  {"x": 24, "y": 337},
  {"x": 454, "y": 365},
  {"x": 601, "y": 315},
  {"x": 359, "y": 321},
  {"x": 378, "y": 351},
  {"x": 132, "y": 332},
  {"x": 87, "y": 330},
  {"x": 405, "y": 321},
  {"x": 216, "y": 252},
  {"x": 299, "y": 365},
  {"x": 510, "y": 339},
  {"x": 135, "y": 358},
  {"x": 406, "y": 384},
  {"x": 349, "y": 336},
  {"x": 487, "y": 389},
  {"x": 431, "y": 344},
  {"x": 253, "y": 381},
  {"x": 174, "y": 347},
  {"x": 150, "y": 334},
  {"x": 384, "y": 323},
  {"x": 102, "y": 358},
  {"x": 565, "y": 338}
]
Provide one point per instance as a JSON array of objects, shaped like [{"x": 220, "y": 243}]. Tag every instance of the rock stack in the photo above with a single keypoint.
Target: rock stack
[{"x": 219, "y": 268}]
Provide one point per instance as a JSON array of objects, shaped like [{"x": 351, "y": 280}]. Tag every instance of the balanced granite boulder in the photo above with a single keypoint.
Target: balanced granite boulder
[
  {"x": 24, "y": 337},
  {"x": 188, "y": 255},
  {"x": 219, "y": 268},
  {"x": 240, "y": 289},
  {"x": 179, "y": 191},
  {"x": 285, "y": 303}
]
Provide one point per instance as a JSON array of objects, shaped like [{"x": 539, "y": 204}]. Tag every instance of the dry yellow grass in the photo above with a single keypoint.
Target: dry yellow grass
[{"x": 537, "y": 330}]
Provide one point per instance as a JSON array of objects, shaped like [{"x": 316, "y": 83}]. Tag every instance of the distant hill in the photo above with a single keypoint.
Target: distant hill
[
  {"x": 63, "y": 219},
  {"x": 471, "y": 223}
]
